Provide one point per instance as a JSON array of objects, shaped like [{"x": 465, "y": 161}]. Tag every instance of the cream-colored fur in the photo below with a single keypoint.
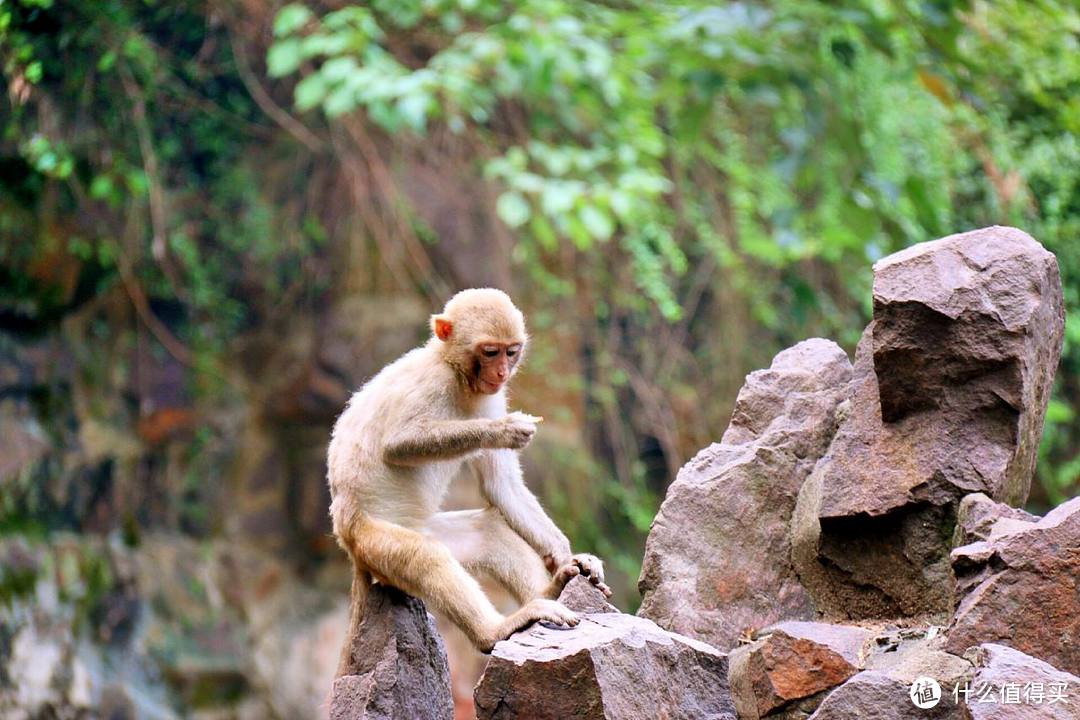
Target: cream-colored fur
[{"x": 394, "y": 450}]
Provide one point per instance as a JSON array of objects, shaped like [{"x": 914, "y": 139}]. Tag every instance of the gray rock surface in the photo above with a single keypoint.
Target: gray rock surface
[
  {"x": 1020, "y": 586},
  {"x": 611, "y": 666},
  {"x": 877, "y": 695},
  {"x": 1023, "y": 687},
  {"x": 581, "y": 596},
  {"x": 951, "y": 382},
  {"x": 717, "y": 557},
  {"x": 394, "y": 664}
]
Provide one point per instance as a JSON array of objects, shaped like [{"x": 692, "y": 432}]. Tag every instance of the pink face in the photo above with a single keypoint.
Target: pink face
[{"x": 495, "y": 364}]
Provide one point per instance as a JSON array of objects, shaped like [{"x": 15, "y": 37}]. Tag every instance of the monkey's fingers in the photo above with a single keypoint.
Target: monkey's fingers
[
  {"x": 601, "y": 586},
  {"x": 527, "y": 417}
]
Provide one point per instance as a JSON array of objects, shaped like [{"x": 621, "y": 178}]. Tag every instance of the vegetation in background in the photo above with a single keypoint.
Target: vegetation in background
[{"x": 689, "y": 187}]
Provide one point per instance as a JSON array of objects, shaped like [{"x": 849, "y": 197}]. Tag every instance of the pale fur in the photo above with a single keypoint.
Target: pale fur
[{"x": 394, "y": 450}]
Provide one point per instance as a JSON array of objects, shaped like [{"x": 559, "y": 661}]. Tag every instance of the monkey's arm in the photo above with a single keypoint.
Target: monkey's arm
[
  {"x": 502, "y": 485},
  {"x": 435, "y": 440}
]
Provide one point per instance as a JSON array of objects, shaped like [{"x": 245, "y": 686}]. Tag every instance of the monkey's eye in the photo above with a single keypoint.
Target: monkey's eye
[
  {"x": 512, "y": 351},
  {"x": 490, "y": 352}
]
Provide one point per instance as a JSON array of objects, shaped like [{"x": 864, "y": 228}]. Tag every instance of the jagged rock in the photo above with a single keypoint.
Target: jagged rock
[
  {"x": 1023, "y": 687},
  {"x": 978, "y": 514},
  {"x": 581, "y": 596},
  {"x": 717, "y": 557},
  {"x": 1021, "y": 587},
  {"x": 793, "y": 661},
  {"x": 395, "y": 664},
  {"x": 951, "y": 382},
  {"x": 876, "y": 694},
  {"x": 899, "y": 658},
  {"x": 610, "y": 666}
]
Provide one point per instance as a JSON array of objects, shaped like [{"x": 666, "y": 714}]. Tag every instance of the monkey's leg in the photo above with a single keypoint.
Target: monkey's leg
[
  {"x": 483, "y": 542},
  {"x": 425, "y": 568}
]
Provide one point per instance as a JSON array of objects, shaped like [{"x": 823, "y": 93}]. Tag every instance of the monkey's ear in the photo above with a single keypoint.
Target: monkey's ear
[{"x": 442, "y": 327}]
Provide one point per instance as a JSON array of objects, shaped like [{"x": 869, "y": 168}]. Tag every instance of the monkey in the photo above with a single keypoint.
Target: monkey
[{"x": 402, "y": 438}]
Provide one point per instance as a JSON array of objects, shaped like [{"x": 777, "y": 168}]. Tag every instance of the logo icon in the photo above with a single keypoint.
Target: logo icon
[{"x": 925, "y": 692}]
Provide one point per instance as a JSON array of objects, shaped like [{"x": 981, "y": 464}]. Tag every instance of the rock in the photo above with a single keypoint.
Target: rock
[
  {"x": 793, "y": 661},
  {"x": 611, "y": 665},
  {"x": 1020, "y": 587},
  {"x": 582, "y": 596},
  {"x": 1022, "y": 687},
  {"x": 977, "y": 515},
  {"x": 394, "y": 664},
  {"x": 878, "y": 695},
  {"x": 717, "y": 557},
  {"x": 951, "y": 382},
  {"x": 898, "y": 659}
]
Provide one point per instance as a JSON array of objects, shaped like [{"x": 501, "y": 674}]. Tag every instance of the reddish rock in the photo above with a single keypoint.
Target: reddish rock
[
  {"x": 717, "y": 561},
  {"x": 951, "y": 382},
  {"x": 611, "y": 665},
  {"x": 794, "y": 660},
  {"x": 394, "y": 663},
  {"x": 1021, "y": 587}
]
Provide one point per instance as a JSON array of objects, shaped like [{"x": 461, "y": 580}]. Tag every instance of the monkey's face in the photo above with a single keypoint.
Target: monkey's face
[{"x": 494, "y": 364}]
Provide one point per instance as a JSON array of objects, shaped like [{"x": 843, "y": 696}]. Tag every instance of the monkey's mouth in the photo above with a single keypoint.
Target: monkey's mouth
[{"x": 489, "y": 388}]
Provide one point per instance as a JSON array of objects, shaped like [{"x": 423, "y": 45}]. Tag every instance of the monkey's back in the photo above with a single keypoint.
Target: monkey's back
[{"x": 410, "y": 390}]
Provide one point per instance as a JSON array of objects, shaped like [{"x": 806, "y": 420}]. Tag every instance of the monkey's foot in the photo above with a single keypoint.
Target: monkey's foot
[
  {"x": 558, "y": 581},
  {"x": 537, "y": 610}
]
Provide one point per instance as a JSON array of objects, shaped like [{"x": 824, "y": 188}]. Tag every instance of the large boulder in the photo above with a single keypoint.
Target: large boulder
[
  {"x": 951, "y": 382},
  {"x": 1020, "y": 586},
  {"x": 394, "y": 663},
  {"x": 611, "y": 666},
  {"x": 717, "y": 560}
]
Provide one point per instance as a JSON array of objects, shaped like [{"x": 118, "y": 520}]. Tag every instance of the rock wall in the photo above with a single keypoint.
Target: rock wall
[
  {"x": 718, "y": 556},
  {"x": 880, "y": 493}
]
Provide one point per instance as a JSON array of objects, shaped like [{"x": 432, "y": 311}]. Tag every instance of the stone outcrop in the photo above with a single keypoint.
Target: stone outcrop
[
  {"x": 794, "y": 661},
  {"x": 977, "y": 515},
  {"x": 894, "y": 661},
  {"x": 717, "y": 561},
  {"x": 951, "y": 382},
  {"x": 394, "y": 664},
  {"x": 1020, "y": 687},
  {"x": 611, "y": 665},
  {"x": 1020, "y": 586}
]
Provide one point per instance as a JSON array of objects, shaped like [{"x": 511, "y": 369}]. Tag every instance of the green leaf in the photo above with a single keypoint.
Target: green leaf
[
  {"x": 338, "y": 69},
  {"x": 513, "y": 209},
  {"x": 598, "y": 222},
  {"x": 291, "y": 18},
  {"x": 414, "y": 109},
  {"x": 310, "y": 92},
  {"x": 283, "y": 58}
]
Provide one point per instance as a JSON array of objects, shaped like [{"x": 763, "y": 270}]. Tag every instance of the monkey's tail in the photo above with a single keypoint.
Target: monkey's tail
[{"x": 361, "y": 581}]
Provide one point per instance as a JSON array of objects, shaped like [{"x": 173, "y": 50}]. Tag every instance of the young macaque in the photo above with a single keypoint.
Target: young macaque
[{"x": 401, "y": 440}]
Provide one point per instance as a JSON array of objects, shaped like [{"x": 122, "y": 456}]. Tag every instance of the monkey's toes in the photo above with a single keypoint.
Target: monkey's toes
[
  {"x": 567, "y": 573},
  {"x": 602, "y": 587}
]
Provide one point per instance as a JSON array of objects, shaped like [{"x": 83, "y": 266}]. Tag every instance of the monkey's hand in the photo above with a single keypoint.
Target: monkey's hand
[
  {"x": 514, "y": 431},
  {"x": 591, "y": 567}
]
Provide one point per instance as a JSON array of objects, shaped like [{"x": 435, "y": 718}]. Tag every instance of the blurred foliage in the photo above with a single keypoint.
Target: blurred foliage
[
  {"x": 744, "y": 133},
  {"x": 689, "y": 186}
]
